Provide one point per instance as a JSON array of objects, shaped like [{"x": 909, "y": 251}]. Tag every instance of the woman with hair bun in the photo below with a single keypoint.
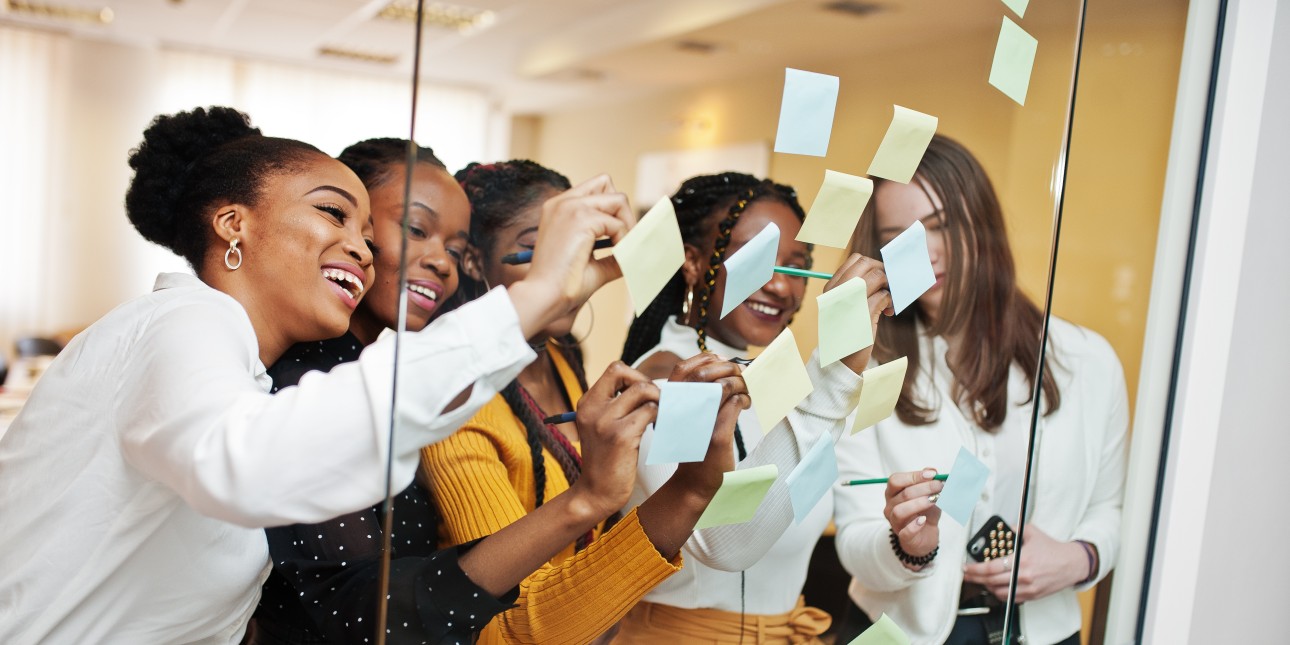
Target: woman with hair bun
[{"x": 140, "y": 474}]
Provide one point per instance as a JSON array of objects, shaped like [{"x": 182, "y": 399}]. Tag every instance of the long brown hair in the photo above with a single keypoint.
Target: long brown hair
[{"x": 982, "y": 304}]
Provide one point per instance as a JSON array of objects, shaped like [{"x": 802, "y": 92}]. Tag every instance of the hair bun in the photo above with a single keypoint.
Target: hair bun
[{"x": 171, "y": 145}]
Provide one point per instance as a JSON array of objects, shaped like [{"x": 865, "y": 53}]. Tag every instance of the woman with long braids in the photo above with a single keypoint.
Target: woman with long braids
[
  {"x": 507, "y": 463},
  {"x": 140, "y": 475},
  {"x": 743, "y": 582},
  {"x": 973, "y": 344},
  {"x": 325, "y": 580}
]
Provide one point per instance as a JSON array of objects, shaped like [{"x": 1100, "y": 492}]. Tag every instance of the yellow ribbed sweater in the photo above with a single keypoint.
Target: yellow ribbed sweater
[{"x": 482, "y": 480}]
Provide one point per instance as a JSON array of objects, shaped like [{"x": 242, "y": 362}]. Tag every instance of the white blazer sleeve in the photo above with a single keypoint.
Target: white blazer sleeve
[
  {"x": 1100, "y": 524},
  {"x": 190, "y": 416}
]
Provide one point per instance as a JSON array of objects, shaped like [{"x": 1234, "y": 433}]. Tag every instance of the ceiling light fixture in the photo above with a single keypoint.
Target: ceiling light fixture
[
  {"x": 440, "y": 14},
  {"x": 102, "y": 16},
  {"x": 354, "y": 54}
]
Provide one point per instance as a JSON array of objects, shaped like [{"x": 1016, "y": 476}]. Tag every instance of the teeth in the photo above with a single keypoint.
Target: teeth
[
  {"x": 416, "y": 288},
  {"x": 343, "y": 276},
  {"x": 764, "y": 309}
]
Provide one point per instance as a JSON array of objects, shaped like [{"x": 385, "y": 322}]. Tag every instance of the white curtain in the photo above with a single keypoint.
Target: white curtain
[{"x": 52, "y": 85}]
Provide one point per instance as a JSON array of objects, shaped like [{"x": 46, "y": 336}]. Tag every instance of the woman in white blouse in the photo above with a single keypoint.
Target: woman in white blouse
[
  {"x": 973, "y": 343},
  {"x": 137, "y": 479},
  {"x": 743, "y": 582}
]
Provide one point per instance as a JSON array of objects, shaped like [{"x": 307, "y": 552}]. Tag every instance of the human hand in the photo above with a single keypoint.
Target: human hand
[
  {"x": 611, "y": 418},
  {"x": 705, "y": 477},
  {"x": 879, "y": 294},
  {"x": 912, "y": 513},
  {"x": 1047, "y": 566},
  {"x": 563, "y": 273}
]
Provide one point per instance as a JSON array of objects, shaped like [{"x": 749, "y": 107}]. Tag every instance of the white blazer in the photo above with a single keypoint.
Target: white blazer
[{"x": 1075, "y": 495}]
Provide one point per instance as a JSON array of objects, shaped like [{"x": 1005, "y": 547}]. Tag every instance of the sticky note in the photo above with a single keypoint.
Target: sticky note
[
  {"x": 650, "y": 254},
  {"x": 750, "y": 268},
  {"x": 1014, "y": 57},
  {"x": 963, "y": 488},
  {"x": 908, "y": 266},
  {"x": 903, "y": 145},
  {"x": 814, "y": 475},
  {"x": 687, "y": 413},
  {"x": 777, "y": 380},
  {"x": 879, "y": 393},
  {"x": 806, "y": 113},
  {"x": 1018, "y": 6},
  {"x": 836, "y": 210},
  {"x": 740, "y": 494},
  {"x": 883, "y": 632},
  {"x": 846, "y": 326}
]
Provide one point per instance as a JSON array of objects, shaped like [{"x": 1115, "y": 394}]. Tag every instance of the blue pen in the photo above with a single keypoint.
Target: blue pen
[
  {"x": 524, "y": 257},
  {"x": 560, "y": 418}
]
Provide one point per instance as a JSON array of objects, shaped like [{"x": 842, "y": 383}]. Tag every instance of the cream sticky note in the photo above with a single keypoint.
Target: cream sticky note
[
  {"x": 846, "y": 326},
  {"x": 909, "y": 266},
  {"x": 650, "y": 254},
  {"x": 1014, "y": 58},
  {"x": 1018, "y": 6},
  {"x": 777, "y": 380},
  {"x": 883, "y": 632},
  {"x": 903, "y": 146},
  {"x": 836, "y": 210},
  {"x": 740, "y": 494},
  {"x": 814, "y": 475},
  {"x": 750, "y": 268},
  {"x": 879, "y": 393},
  {"x": 806, "y": 113}
]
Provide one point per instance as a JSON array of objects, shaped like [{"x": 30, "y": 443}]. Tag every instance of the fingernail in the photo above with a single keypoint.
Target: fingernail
[
  {"x": 929, "y": 473},
  {"x": 933, "y": 498},
  {"x": 922, "y": 519}
]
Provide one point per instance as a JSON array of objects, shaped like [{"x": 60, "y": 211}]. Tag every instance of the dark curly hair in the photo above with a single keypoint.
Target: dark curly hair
[
  {"x": 698, "y": 202},
  {"x": 190, "y": 161}
]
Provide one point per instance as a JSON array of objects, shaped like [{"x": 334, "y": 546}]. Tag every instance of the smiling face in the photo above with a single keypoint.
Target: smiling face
[
  {"x": 438, "y": 229},
  {"x": 520, "y": 234},
  {"x": 307, "y": 262},
  {"x": 896, "y": 207},
  {"x": 766, "y": 313}
]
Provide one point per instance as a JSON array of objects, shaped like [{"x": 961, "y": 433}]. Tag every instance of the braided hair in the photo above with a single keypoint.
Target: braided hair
[
  {"x": 498, "y": 193},
  {"x": 698, "y": 203},
  {"x": 374, "y": 160}
]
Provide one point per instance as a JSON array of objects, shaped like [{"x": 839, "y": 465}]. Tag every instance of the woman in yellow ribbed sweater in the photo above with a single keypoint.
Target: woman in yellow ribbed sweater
[{"x": 505, "y": 462}]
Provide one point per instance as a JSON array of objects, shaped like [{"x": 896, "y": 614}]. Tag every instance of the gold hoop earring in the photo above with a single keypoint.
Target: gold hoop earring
[{"x": 228, "y": 255}]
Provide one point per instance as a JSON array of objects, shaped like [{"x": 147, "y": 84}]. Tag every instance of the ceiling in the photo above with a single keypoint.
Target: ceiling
[{"x": 539, "y": 54}]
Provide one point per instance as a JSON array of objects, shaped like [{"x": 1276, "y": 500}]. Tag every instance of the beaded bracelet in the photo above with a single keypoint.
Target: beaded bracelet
[
  {"x": 1089, "y": 551},
  {"x": 919, "y": 561}
]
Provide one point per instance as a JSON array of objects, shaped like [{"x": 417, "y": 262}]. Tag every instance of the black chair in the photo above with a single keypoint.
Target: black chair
[{"x": 32, "y": 346}]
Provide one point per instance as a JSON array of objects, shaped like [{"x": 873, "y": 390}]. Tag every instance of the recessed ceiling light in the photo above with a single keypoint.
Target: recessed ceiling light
[
  {"x": 61, "y": 12},
  {"x": 354, "y": 54},
  {"x": 440, "y": 14}
]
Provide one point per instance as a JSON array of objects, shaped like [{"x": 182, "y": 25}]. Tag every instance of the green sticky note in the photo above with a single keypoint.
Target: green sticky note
[
  {"x": 883, "y": 632},
  {"x": 650, "y": 254},
  {"x": 846, "y": 326},
  {"x": 879, "y": 392},
  {"x": 903, "y": 145},
  {"x": 740, "y": 494},
  {"x": 836, "y": 210},
  {"x": 1018, "y": 6},
  {"x": 1014, "y": 58},
  {"x": 777, "y": 381}
]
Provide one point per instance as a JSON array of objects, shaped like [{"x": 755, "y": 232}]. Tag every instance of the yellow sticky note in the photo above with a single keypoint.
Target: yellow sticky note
[
  {"x": 777, "y": 381},
  {"x": 846, "y": 326},
  {"x": 651, "y": 253},
  {"x": 879, "y": 392},
  {"x": 836, "y": 210},
  {"x": 1014, "y": 58},
  {"x": 903, "y": 146},
  {"x": 740, "y": 494},
  {"x": 883, "y": 632}
]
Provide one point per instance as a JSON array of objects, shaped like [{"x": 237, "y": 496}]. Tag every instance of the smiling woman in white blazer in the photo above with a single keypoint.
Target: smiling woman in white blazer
[{"x": 974, "y": 339}]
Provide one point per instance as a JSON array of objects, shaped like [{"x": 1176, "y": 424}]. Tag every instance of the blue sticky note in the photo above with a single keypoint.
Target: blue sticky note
[
  {"x": 813, "y": 477},
  {"x": 687, "y": 413},
  {"x": 750, "y": 268},
  {"x": 963, "y": 488},
  {"x": 806, "y": 114},
  {"x": 908, "y": 266}
]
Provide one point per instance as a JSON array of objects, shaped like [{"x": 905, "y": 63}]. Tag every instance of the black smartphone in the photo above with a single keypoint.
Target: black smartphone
[{"x": 995, "y": 540}]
